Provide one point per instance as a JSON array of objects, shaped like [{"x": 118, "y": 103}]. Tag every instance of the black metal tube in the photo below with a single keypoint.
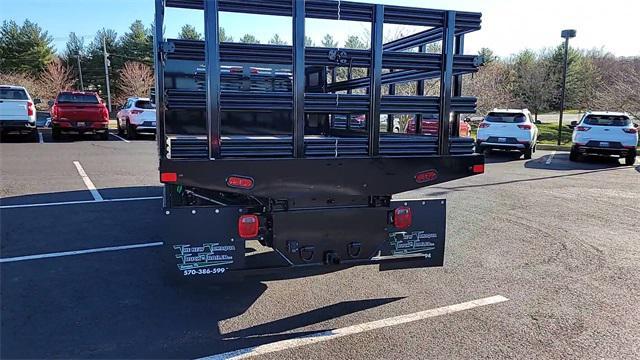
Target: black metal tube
[
  {"x": 298, "y": 77},
  {"x": 446, "y": 79},
  {"x": 457, "y": 87},
  {"x": 390, "y": 120},
  {"x": 159, "y": 77},
  {"x": 375, "y": 86},
  {"x": 212, "y": 58}
]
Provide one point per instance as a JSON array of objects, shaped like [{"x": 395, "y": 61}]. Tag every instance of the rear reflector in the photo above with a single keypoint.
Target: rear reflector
[
  {"x": 478, "y": 169},
  {"x": 630, "y": 131},
  {"x": 240, "y": 182},
  {"x": 426, "y": 176},
  {"x": 168, "y": 177},
  {"x": 402, "y": 217},
  {"x": 248, "y": 226}
]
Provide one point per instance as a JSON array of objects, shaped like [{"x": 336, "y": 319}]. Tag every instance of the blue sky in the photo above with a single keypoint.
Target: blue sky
[{"x": 508, "y": 26}]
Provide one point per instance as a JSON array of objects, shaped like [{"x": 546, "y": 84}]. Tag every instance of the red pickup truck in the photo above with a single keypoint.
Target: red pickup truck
[
  {"x": 81, "y": 112},
  {"x": 430, "y": 125}
]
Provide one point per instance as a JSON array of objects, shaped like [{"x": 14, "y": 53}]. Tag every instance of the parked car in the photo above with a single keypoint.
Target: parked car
[
  {"x": 137, "y": 115},
  {"x": 17, "y": 110},
  {"x": 508, "y": 129},
  {"x": 604, "y": 133},
  {"x": 430, "y": 124},
  {"x": 81, "y": 112}
]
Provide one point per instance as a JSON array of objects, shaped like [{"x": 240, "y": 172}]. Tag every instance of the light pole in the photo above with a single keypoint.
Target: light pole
[
  {"x": 80, "y": 71},
  {"x": 566, "y": 34}
]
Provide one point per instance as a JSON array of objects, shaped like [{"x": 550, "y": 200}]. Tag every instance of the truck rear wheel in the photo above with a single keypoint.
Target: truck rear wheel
[
  {"x": 56, "y": 134},
  {"x": 630, "y": 160}
]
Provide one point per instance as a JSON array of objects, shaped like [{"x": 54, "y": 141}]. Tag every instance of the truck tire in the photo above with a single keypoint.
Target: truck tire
[
  {"x": 120, "y": 130},
  {"x": 56, "y": 134},
  {"x": 528, "y": 152},
  {"x": 630, "y": 160}
]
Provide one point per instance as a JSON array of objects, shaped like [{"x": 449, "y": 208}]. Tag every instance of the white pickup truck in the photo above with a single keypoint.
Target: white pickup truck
[{"x": 17, "y": 110}]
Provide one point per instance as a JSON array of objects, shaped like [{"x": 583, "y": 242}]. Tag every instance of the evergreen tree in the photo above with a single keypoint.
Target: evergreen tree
[
  {"x": 136, "y": 44},
  {"x": 308, "y": 41},
  {"x": 222, "y": 34},
  {"x": 488, "y": 55},
  {"x": 25, "y": 48},
  {"x": 329, "y": 42},
  {"x": 354, "y": 42},
  {"x": 276, "y": 40},
  {"x": 188, "y": 32},
  {"x": 249, "y": 39}
]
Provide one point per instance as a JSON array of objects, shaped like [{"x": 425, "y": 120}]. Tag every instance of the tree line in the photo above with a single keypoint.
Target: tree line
[{"x": 596, "y": 79}]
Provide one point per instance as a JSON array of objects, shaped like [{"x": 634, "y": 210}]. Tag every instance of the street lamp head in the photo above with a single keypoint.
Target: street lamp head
[{"x": 568, "y": 34}]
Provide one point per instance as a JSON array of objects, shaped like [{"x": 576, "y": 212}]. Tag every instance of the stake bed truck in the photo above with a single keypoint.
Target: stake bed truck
[{"x": 274, "y": 156}]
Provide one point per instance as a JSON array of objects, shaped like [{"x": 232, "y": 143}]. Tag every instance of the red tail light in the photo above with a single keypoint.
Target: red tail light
[
  {"x": 248, "y": 226},
  {"x": 168, "y": 177},
  {"x": 402, "y": 217},
  {"x": 582, "y": 128},
  {"x": 525, "y": 127},
  {"x": 631, "y": 131},
  {"x": 240, "y": 182},
  {"x": 136, "y": 112},
  {"x": 54, "y": 111},
  {"x": 477, "y": 169},
  {"x": 30, "y": 108},
  {"x": 483, "y": 125},
  {"x": 105, "y": 113}
]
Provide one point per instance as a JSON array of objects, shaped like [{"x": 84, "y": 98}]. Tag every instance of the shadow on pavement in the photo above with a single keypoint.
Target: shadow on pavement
[
  {"x": 121, "y": 304},
  {"x": 494, "y": 156},
  {"x": 82, "y": 195},
  {"x": 561, "y": 162}
]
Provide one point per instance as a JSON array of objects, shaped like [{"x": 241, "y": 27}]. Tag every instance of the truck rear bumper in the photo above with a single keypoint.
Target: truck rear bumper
[
  {"x": 620, "y": 151},
  {"x": 17, "y": 125},
  {"x": 339, "y": 236}
]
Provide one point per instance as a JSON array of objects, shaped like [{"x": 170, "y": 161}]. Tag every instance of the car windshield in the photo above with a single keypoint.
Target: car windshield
[
  {"x": 607, "y": 120},
  {"x": 144, "y": 104},
  {"x": 13, "y": 94},
  {"x": 512, "y": 118},
  {"x": 78, "y": 98}
]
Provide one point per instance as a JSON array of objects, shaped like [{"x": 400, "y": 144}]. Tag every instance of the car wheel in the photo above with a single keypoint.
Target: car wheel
[
  {"x": 131, "y": 131},
  {"x": 56, "y": 134},
  {"x": 630, "y": 160},
  {"x": 574, "y": 155},
  {"x": 528, "y": 152},
  {"x": 120, "y": 130}
]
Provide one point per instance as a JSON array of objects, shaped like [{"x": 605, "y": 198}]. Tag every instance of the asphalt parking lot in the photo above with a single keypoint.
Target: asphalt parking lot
[{"x": 542, "y": 261}]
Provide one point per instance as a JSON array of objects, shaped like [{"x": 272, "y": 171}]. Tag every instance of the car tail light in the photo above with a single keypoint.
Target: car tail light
[
  {"x": 477, "y": 169},
  {"x": 136, "y": 112},
  {"x": 168, "y": 177},
  {"x": 105, "y": 113},
  {"x": 240, "y": 182},
  {"x": 402, "y": 217},
  {"x": 54, "y": 111},
  {"x": 248, "y": 226},
  {"x": 30, "y": 108},
  {"x": 525, "y": 127},
  {"x": 582, "y": 128},
  {"x": 483, "y": 125},
  {"x": 631, "y": 131}
]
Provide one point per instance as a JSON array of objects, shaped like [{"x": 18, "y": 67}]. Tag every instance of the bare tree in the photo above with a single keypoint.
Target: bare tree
[
  {"x": 492, "y": 85},
  {"x": 619, "y": 88},
  {"x": 533, "y": 85},
  {"x": 55, "y": 78},
  {"x": 135, "y": 79}
]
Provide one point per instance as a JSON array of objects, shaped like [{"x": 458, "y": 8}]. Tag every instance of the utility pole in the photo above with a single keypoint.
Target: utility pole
[
  {"x": 106, "y": 72},
  {"x": 566, "y": 34},
  {"x": 80, "y": 71}
]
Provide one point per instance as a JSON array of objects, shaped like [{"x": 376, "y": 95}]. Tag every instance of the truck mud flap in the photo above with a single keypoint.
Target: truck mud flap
[{"x": 202, "y": 241}]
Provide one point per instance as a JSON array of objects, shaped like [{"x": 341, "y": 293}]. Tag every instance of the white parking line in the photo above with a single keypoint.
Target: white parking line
[
  {"x": 550, "y": 159},
  {"x": 79, "y": 252},
  {"x": 79, "y": 202},
  {"x": 119, "y": 137},
  {"x": 40, "y": 139},
  {"x": 355, "y": 329},
  {"x": 92, "y": 188}
]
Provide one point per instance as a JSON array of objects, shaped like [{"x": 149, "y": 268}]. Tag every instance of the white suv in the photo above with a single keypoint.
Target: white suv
[
  {"x": 508, "y": 129},
  {"x": 137, "y": 115},
  {"x": 604, "y": 133},
  {"x": 17, "y": 110}
]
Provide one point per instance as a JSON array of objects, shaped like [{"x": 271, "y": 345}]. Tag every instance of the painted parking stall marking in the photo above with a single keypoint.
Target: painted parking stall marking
[
  {"x": 119, "y": 137},
  {"x": 79, "y": 252},
  {"x": 92, "y": 188},
  {"x": 80, "y": 202},
  {"x": 355, "y": 329}
]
